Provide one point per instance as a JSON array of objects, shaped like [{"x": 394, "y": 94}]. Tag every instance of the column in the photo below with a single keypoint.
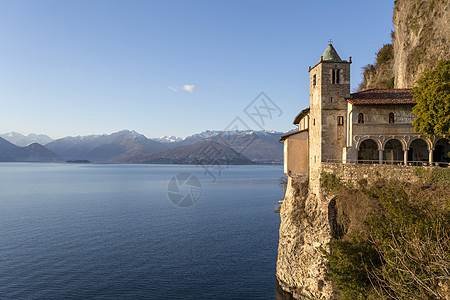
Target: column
[
  {"x": 405, "y": 156},
  {"x": 380, "y": 156},
  {"x": 430, "y": 156}
]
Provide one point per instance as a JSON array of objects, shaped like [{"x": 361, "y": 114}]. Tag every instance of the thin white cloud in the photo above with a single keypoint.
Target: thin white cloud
[
  {"x": 189, "y": 88},
  {"x": 175, "y": 89}
]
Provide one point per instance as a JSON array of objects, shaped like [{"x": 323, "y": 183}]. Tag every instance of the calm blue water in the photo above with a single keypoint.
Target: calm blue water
[{"x": 110, "y": 231}]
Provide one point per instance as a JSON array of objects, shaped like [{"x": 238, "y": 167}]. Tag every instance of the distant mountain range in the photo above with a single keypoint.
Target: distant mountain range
[
  {"x": 25, "y": 140},
  {"x": 224, "y": 147},
  {"x": 204, "y": 153},
  {"x": 31, "y": 153},
  {"x": 113, "y": 148}
]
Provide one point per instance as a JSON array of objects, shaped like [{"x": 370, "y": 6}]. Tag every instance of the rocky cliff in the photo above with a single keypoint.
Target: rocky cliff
[
  {"x": 304, "y": 233},
  {"x": 420, "y": 40},
  {"x": 348, "y": 195}
]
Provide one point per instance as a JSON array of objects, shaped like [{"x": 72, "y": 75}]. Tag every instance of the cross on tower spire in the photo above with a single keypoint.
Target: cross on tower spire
[{"x": 330, "y": 41}]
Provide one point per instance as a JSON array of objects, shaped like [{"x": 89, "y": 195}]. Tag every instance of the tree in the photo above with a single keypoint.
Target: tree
[{"x": 432, "y": 96}]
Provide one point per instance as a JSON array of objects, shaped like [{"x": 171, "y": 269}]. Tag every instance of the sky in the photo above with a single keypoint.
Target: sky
[{"x": 170, "y": 67}]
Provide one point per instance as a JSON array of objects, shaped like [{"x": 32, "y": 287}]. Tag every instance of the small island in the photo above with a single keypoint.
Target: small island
[{"x": 78, "y": 161}]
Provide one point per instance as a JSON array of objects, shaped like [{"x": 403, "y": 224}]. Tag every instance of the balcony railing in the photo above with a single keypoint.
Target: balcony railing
[{"x": 392, "y": 162}]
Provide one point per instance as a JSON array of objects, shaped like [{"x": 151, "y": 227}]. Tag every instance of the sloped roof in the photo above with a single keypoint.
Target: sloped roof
[
  {"x": 382, "y": 97},
  {"x": 300, "y": 116},
  {"x": 283, "y": 137},
  {"x": 330, "y": 55}
]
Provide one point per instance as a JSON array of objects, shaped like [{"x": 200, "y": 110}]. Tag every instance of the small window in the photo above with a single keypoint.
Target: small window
[
  {"x": 360, "y": 118},
  {"x": 336, "y": 75},
  {"x": 391, "y": 118},
  {"x": 340, "y": 120},
  {"x": 331, "y": 100},
  {"x": 314, "y": 80},
  {"x": 314, "y": 121}
]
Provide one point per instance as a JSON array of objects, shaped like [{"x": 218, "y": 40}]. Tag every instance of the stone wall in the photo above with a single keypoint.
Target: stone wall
[
  {"x": 334, "y": 105},
  {"x": 296, "y": 153},
  {"x": 353, "y": 173},
  {"x": 315, "y": 120}
]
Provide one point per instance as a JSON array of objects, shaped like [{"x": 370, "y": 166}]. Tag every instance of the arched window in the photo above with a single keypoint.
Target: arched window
[
  {"x": 360, "y": 118},
  {"x": 338, "y": 75},
  {"x": 391, "y": 118}
]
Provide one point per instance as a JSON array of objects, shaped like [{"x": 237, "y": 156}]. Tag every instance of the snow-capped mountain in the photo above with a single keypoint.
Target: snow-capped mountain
[
  {"x": 106, "y": 147},
  {"x": 167, "y": 139},
  {"x": 258, "y": 146},
  {"x": 25, "y": 140},
  {"x": 128, "y": 146}
]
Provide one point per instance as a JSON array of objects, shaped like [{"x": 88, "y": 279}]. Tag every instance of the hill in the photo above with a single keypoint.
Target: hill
[
  {"x": 206, "y": 153},
  {"x": 259, "y": 146},
  {"x": 116, "y": 147},
  {"x": 5, "y": 147},
  {"x": 129, "y": 146},
  {"x": 31, "y": 153}
]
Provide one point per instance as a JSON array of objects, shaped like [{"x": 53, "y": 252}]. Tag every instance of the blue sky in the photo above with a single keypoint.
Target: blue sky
[{"x": 171, "y": 67}]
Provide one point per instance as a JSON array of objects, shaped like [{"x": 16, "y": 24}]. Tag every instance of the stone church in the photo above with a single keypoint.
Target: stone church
[{"x": 372, "y": 126}]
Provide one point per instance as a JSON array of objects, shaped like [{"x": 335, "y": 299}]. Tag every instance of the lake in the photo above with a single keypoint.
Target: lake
[{"x": 138, "y": 231}]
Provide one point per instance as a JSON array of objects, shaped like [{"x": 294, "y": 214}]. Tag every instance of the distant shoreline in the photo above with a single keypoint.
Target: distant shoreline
[{"x": 107, "y": 163}]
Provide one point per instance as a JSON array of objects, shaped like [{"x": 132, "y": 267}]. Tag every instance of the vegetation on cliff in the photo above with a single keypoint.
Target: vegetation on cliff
[
  {"x": 391, "y": 239},
  {"x": 432, "y": 95},
  {"x": 380, "y": 74},
  {"x": 420, "y": 40}
]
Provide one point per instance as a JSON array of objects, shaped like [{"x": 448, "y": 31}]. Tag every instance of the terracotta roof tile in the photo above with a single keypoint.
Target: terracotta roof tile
[{"x": 382, "y": 97}]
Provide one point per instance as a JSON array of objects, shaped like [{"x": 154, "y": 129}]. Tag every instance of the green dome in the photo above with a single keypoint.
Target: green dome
[{"x": 331, "y": 55}]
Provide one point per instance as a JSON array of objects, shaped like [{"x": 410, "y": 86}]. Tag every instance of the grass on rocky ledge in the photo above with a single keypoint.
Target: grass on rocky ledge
[{"x": 391, "y": 239}]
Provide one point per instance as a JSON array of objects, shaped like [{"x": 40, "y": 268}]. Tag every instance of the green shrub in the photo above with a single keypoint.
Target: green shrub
[
  {"x": 347, "y": 266},
  {"x": 385, "y": 54},
  {"x": 405, "y": 251},
  {"x": 330, "y": 181}
]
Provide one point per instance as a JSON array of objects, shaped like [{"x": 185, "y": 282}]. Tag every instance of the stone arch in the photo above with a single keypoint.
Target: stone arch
[
  {"x": 441, "y": 150},
  {"x": 361, "y": 140},
  {"x": 402, "y": 142},
  {"x": 368, "y": 151},
  {"x": 393, "y": 151},
  {"x": 423, "y": 138},
  {"x": 418, "y": 150}
]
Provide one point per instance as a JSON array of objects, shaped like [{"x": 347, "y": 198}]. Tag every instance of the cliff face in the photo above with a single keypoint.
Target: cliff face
[
  {"x": 304, "y": 231},
  {"x": 420, "y": 40},
  {"x": 380, "y": 75},
  {"x": 310, "y": 223}
]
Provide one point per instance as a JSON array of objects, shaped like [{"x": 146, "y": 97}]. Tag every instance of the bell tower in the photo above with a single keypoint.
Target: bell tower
[{"x": 329, "y": 87}]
